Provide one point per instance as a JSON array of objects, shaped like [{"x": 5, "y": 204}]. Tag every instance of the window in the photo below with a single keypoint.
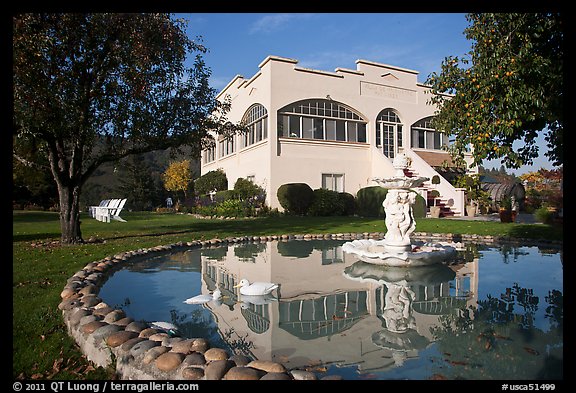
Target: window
[
  {"x": 256, "y": 120},
  {"x": 226, "y": 146},
  {"x": 321, "y": 120},
  {"x": 334, "y": 182},
  {"x": 388, "y": 132},
  {"x": 209, "y": 154},
  {"x": 426, "y": 137}
]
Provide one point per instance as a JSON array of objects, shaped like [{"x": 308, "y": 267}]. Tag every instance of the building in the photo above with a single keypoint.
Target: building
[{"x": 337, "y": 130}]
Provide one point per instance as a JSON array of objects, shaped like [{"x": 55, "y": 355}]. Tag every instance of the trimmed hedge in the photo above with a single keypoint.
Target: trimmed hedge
[
  {"x": 369, "y": 203},
  {"x": 326, "y": 203},
  {"x": 295, "y": 198}
]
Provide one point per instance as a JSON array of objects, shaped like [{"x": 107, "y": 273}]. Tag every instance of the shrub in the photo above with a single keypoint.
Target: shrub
[
  {"x": 213, "y": 180},
  {"x": 349, "y": 203},
  {"x": 543, "y": 215},
  {"x": 222, "y": 196},
  {"x": 295, "y": 198},
  {"x": 419, "y": 208},
  {"x": 369, "y": 201},
  {"x": 250, "y": 192},
  {"x": 326, "y": 203},
  {"x": 230, "y": 208}
]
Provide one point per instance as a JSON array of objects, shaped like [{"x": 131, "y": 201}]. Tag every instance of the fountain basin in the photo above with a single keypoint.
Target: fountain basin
[
  {"x": 401, "y": 182},
  {"x": 379, "y": 253}
]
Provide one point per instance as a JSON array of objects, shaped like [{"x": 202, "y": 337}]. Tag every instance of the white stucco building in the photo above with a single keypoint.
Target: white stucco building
[{"x": 336, "y": 130}]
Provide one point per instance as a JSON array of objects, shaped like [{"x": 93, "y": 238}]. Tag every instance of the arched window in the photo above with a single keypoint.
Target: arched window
[
  {"x": 321, "y": 119},
  {"x": 424, "y": 136},
  {"x": 256, "y": 120},
  {"x": 388, "y": 132}
]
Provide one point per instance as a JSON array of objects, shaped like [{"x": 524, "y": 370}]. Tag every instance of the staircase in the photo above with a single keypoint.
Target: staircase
[{"x": 445, "y": 210}]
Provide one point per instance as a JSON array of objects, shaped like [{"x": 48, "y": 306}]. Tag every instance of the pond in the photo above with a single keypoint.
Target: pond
[{"x": 494, "y": 313}]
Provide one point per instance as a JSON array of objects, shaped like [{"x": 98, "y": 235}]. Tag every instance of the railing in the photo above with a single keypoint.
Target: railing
[{"x": 454, "y": 197}]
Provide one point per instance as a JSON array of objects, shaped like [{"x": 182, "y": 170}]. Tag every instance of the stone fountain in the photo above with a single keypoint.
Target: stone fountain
[
  {"x": 397, "y": 249},
  {"x": 400, "y": 334}
]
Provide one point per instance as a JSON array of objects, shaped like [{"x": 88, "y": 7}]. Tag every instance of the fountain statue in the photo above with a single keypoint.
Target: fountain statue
[
  {"x": 397, "y": 249},
  {"x": 400, "y": 333}
]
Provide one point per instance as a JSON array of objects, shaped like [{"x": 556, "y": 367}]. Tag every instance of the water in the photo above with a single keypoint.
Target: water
[{"x": 497, "y": 314}]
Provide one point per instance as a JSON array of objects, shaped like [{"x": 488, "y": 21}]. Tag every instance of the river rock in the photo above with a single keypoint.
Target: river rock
[
  {"x": 119, "y": 338},
  {"x": 103, "y": 332},
  {"x": 240, "y": 360},
  {"x": 303, "y": 375},
  {"x": 215, "y": 370},
  {"x": 75, "y": 316},
  {"x": 89, "y": 290},
  {"x": 215, "y": 354},
  {"x": 268, "y": 366},
  {"x": 129, "y": 344},
  {"x": 192, "y": 373},
  {"x": 143, "y": 347},
  {"x": 169, "y": 361},
  {"x": 136, "y": 326},
  {"x": 243, "y": 374},
  {"x": 194, "y": 359},
  {"x": 146, "y": 333},
  {"x": 124, "y": 322},
  {"x": 90, "y": 327},
  {"x": 153, "y": 353},
  {"x": 90, "y": 300},
  {"x": 182, "y": 346},
  {"x": 102, "y": 311},
  {"x": 200, "y": 345},
  {"x": 114, "y": 316}
]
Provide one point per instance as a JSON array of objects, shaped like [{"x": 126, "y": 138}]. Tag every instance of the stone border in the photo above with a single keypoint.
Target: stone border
[{"x": 107, "y": 336}]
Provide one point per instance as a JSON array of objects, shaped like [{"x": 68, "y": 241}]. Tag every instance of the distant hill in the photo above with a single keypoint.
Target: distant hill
[{"x": 123, "y": 179}]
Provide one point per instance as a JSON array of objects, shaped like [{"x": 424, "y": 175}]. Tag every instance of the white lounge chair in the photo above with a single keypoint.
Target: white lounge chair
[
  {"x": 92, "y": 209},
  {"x": 112, "y": 211}
]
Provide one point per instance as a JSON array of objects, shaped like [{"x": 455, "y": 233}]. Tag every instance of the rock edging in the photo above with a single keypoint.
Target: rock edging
[{"x": 107, "y": 336}]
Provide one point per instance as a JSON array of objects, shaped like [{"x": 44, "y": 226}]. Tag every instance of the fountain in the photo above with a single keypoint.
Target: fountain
[
  {"x": 400, "y": 333},
  {"x": 397, "y": 249}
]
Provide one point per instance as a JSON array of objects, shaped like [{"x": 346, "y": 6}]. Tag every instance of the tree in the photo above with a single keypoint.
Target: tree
[
  {"x": 178, "y": 177},
  {"x": 213, "y": 180},
  {"x": 95, "y": 88},
  {"x": 137, "y": 183},
  {"x": 508, "y": 88}
]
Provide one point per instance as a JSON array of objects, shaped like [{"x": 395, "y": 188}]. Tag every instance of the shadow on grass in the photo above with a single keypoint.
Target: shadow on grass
[
  {"x": 528, "y": 231},
  {"x": 36, "y": 237}
]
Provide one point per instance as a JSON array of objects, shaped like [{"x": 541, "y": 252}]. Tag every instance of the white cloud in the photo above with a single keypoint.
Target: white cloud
[{"x": 275, "y": 22}]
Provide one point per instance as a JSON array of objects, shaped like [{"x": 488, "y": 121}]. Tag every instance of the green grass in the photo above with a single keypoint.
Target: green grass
[{"x": 41, "y": 346}]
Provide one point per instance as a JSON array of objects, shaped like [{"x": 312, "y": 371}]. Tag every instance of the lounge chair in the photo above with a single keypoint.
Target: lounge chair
[
  {"x": 92, "y": 209},
  {"x": 112, "y": 211}
]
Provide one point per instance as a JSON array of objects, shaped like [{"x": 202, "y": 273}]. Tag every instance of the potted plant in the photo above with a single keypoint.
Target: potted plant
[
  {"x": 435, "y": 210},
  {"x": 505, "y": 209},
  {"x": 475, "y": 195}
]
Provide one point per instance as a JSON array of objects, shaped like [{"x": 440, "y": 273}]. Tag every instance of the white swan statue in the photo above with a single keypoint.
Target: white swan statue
[
  {"x": 201, "y": 299},
  {"x": 258, "y": 288}
]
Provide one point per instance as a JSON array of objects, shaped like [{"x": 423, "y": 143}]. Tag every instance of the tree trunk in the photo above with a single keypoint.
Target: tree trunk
[{"x": 70, "y": 214}]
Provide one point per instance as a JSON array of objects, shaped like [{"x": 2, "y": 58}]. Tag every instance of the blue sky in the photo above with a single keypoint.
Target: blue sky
[{"x": 238, "y": 42}]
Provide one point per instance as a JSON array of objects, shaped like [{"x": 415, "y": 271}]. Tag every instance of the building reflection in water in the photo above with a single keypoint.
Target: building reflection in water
[{"x": 332, "y": 308}]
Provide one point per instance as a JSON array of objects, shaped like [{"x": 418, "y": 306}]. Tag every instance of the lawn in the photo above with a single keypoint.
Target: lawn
[{"x": 42, "y": 348}]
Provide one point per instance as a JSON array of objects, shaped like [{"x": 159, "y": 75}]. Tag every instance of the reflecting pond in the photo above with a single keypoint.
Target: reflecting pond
[{"x": 495, "y": 313}]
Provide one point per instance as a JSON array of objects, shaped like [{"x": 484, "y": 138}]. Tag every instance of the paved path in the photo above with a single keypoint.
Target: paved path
[{"x": 522, "y": 218}]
